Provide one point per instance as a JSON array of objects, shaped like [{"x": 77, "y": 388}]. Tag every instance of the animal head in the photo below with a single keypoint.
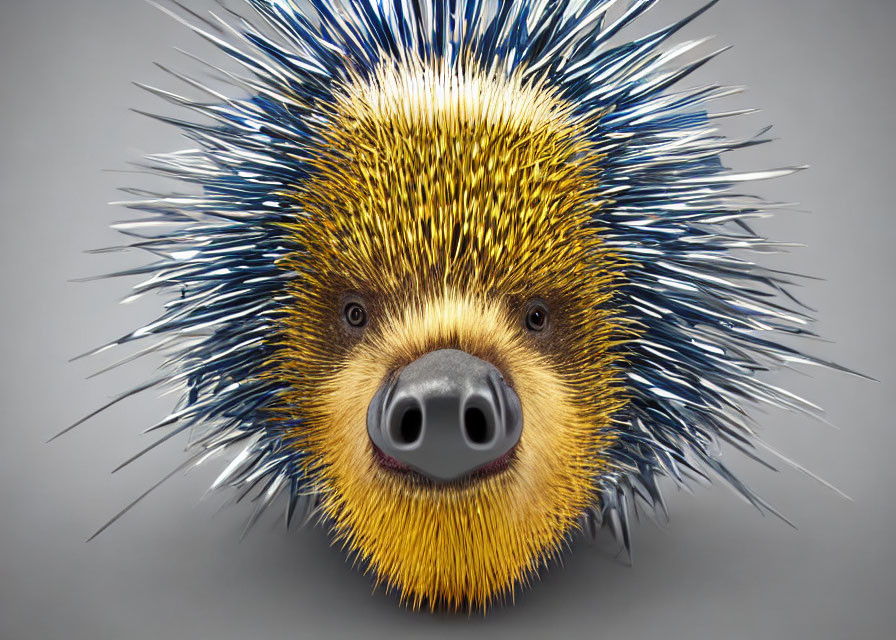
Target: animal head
[
  {"x": 461, "y": 279},
  {"x": 453, "y": 301}
]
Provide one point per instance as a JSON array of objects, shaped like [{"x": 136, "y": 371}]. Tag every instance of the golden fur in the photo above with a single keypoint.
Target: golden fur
[{"x": 445, "y": 204}]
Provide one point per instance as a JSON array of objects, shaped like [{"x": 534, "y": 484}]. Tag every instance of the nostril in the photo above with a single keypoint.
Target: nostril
[
  {"x": 410, "y": 426},
  {"x": 476, "y": 426}
]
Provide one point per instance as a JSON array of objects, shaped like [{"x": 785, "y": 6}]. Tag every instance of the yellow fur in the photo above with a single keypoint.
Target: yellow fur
[
  {"x": 446, "y": 203},
  {"x": 473, "y": 540}
]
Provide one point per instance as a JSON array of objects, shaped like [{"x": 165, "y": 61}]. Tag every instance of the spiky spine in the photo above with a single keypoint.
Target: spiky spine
[{"x": 710, "y": 317}]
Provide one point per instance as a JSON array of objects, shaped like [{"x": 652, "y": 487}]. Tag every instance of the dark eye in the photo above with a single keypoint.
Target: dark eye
[
  {"x": 536, "y": 317},
  {"x": 355, "y": 315}
]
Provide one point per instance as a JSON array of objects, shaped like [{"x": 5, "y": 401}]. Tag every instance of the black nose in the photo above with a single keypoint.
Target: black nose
[{"x": 445, "y": 415}]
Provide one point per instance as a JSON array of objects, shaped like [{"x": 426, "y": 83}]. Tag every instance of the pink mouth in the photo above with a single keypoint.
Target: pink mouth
[{"x": 396, "y": 466}]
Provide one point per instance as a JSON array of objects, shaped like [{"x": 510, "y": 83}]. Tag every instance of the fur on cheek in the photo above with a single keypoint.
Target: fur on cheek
[{"x": 420, "y": 538}]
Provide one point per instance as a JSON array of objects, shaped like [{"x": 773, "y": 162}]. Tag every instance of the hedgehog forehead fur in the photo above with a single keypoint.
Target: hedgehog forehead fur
[
  {"x": 453, "y": 180},
  {"x": 491, "y": 190},
  {"x": 447, "y": 161}
]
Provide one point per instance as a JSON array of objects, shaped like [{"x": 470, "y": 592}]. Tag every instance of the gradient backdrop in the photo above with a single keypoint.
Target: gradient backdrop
[{"x": 822, "y": 71}]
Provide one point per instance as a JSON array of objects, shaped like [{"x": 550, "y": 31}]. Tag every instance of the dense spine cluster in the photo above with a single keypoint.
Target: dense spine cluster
[{"x": 709, "y": 319}]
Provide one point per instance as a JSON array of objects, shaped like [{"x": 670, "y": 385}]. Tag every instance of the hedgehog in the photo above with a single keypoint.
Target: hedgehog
[{"x": 459, "y": 279}]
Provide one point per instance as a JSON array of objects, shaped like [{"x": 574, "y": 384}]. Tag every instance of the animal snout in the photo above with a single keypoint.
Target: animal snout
[{"x": 445, "y": 415}]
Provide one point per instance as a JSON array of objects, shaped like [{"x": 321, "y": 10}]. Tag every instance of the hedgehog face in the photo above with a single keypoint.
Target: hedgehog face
[{"x": 451, "y": 304}]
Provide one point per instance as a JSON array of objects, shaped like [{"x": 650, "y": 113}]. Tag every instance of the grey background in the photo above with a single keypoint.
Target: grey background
[{"x": 822, "y": 71}]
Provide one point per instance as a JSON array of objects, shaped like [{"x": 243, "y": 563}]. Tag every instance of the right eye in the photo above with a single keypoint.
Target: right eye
[
  {"x": 355, "y": 315},
  {"x": 536, "y": 317}
]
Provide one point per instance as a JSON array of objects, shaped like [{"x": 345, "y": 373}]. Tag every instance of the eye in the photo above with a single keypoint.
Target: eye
[
  {"x": 536, "y": 317},
  {"x": 355, "y": 315}
]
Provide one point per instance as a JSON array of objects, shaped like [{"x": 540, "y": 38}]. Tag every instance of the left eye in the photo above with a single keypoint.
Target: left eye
[
  {"x": 537, "y": 318},
  {"x": 355, "y": 315}
]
